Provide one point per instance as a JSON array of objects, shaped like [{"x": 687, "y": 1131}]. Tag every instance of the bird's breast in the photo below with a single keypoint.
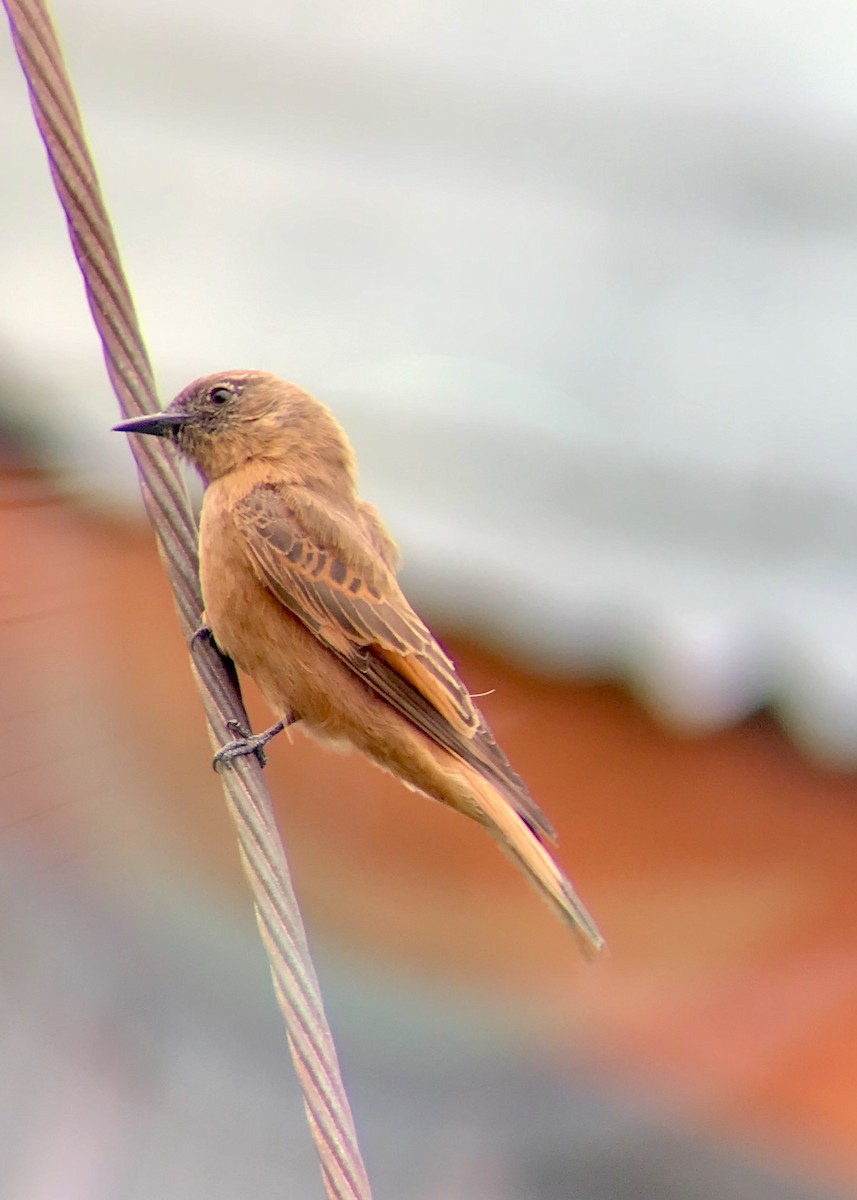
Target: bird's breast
[{"x": 293, "y": 670}]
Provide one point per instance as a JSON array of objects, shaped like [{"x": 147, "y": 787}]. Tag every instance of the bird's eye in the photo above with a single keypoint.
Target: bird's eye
[{"x": 220, "y": 395}]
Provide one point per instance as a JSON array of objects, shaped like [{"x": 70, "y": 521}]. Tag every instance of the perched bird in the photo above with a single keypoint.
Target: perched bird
[{"x": 298, "y": 579}]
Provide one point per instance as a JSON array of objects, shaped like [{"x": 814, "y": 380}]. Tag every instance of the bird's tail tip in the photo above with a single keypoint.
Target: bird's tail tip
[
  {"x": 575, "y": 914},
  {"x": 536, "y": 862}
]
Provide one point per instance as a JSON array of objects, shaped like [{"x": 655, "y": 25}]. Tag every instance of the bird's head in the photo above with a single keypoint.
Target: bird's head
[{"x": 220, "y": 422}]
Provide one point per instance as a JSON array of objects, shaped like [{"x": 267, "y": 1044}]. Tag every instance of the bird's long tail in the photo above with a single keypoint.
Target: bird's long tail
[{"x": 527, "y": 852}]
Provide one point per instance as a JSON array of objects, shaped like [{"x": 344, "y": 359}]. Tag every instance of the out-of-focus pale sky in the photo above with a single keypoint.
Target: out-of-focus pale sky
[{"x": 623, "y": 236}]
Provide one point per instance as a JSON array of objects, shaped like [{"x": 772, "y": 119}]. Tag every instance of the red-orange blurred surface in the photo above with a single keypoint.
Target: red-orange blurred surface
[{"x": 720, "y": 868}]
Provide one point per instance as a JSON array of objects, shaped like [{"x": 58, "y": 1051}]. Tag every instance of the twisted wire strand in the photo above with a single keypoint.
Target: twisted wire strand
[{"x": 166, "y": 500}]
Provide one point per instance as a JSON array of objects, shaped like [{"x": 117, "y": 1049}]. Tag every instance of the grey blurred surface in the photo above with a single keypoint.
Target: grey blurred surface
[
  {"x": 143, "y": 1056},
  {"x": 623, "y": 237}
]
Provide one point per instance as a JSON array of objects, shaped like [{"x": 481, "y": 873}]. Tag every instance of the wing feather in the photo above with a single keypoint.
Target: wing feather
[{"x": 362, "y": 616}]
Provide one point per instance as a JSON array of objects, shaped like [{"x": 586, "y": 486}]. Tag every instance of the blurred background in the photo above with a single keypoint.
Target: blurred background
[{"x": 579, "y": 280}]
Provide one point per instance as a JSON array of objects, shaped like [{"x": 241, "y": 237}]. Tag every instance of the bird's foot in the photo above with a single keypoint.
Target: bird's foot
[
  {"x": 246, "y": 743},
  {"x": 203, "y": 634},
  {"x": 201, "y": 643}
]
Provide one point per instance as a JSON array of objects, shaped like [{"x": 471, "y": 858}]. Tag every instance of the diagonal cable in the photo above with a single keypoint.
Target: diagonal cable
[{"x": 165, "y": 497}]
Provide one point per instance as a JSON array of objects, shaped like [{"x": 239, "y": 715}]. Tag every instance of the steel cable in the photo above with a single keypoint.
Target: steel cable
[{"x": 166, "y": 500}]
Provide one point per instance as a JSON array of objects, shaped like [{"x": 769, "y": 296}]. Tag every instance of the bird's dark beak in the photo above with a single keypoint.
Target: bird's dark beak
[{"x": 161, "y": 424}]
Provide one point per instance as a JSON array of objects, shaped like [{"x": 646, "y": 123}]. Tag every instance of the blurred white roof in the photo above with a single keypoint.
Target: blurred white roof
[{"x": 580, "y": 281}]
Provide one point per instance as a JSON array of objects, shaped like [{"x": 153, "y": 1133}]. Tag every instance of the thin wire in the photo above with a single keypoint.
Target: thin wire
[{"x": 165, "y": 497}]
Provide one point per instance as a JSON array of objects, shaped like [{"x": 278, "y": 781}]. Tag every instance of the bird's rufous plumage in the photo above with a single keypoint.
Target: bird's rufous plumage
[{"x": 298, "y": 578}]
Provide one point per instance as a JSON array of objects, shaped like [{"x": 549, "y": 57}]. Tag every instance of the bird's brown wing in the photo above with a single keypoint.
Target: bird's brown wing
[{"x": 374, "y": 631}]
